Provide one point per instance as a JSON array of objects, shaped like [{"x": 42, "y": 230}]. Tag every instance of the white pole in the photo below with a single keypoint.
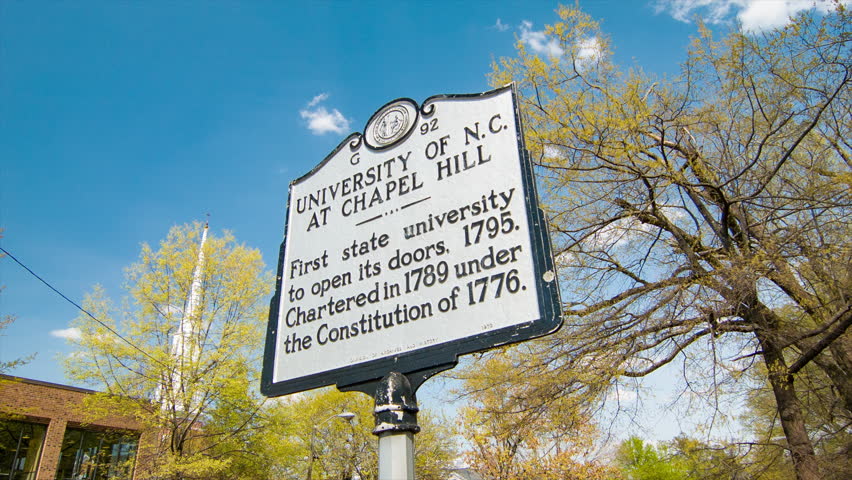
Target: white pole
[
  {"x": 396, "y": 456},
  {"x": 396, "y": 424}
]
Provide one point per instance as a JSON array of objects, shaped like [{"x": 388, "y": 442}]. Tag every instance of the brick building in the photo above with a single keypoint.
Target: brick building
[{"x": 44, "y": 435}]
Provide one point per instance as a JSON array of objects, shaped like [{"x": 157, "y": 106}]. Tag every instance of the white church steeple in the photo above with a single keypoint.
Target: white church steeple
[{"x": 185, "y": 348}]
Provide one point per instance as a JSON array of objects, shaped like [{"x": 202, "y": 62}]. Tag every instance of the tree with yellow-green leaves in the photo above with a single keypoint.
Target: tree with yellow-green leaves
[
  {"x": 181, "y": 351},
  {"x": 686, "y": 213},
  {"x": 827, "y": 424},
  {"x": 510, "y": 436},
  {"x": 325, "y": 434}
]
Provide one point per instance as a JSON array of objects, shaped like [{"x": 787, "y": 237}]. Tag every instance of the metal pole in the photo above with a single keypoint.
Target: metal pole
[
  {"x": 396, "y": 424},
  {"x": 313, "y": 457},
  {"x": 348, "y": 416}
]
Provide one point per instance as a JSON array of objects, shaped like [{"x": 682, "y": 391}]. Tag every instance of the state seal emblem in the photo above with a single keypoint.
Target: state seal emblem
[{"x": 391, "y": 124}]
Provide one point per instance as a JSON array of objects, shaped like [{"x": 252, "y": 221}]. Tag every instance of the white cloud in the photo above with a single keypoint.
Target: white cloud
[
  {"x": 317, "y": 99},
  {"x": 621, "y": 394},
  {"x": 589, "y": 52},
  {"x": 618, "y": 234},
  {"x": 538, "y": 41},
  {"x": 500, "y": 26},
  {"x": 72, "y": 333},
  {"x": 754, "y": 15},
  {"x": 712, "y": 11},
  {"x": 321, "y": 120},
  {"x": 554, "y": 152},
  {"x": 760, "y": 15},
  {"x": 565, "y": 259}
]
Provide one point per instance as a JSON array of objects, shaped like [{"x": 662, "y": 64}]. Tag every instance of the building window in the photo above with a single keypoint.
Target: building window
[
  {"x": 20, "y": 449},
  {"x": 96, "y": 455}
]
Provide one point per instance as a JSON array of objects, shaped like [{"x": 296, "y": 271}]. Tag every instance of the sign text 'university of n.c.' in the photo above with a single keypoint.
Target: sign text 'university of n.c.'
[{"x": 410, "y": 244}]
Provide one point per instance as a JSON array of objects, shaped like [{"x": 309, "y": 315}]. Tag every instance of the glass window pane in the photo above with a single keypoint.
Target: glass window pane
[
  {"x": 8, "y": 447},
  {"x": 29, "y": 453},
  {"x": 87, "y": 458},
  {"x": 118, "y": 453},
  {"x": 69, "y": 454},
  {"x": 96, "y": 455},
  {"x": 20, "y": 449}
]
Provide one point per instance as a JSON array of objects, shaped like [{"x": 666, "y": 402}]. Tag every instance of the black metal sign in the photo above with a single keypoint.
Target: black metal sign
[{"x": 411, "y": 244}]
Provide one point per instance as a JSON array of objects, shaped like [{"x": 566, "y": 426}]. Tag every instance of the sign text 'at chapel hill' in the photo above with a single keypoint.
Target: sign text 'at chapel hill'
[{"x": 410, "y": 244}]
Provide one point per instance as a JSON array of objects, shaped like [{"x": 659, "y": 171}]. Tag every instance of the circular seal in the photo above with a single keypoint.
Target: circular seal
[{"x": 390, "y": 124}]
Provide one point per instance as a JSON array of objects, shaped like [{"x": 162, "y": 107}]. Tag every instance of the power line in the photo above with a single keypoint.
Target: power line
[
  {"x": 72, "y": 302},
  {"x": 134, "y": 346}
]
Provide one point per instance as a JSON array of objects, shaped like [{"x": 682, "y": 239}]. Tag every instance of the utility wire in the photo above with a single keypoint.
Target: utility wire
[{"x": 72, "y": 302}]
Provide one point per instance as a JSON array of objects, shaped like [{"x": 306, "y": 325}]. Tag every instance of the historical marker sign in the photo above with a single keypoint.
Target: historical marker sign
[{"x": 409, "y": 245}]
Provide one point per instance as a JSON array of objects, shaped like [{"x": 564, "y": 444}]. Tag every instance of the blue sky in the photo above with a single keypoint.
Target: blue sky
[{"x": 121, "y": 119}]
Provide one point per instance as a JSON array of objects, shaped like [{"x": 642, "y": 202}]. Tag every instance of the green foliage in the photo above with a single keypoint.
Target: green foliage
[
  {"x": 682, "y": 458},
  {"x": 202, "y": 403},
  {"x": 339, "y": 446},
  {"x": 709, "y": 462},
  {"x": 510, "y": 438},
  {"x": 207, "y": 419},
  {"x": 642, "y": 461},
  {"x": 306, "y": 426},
  {"x": 828, "y": 421},
  {"x": 703, "y": 219}
]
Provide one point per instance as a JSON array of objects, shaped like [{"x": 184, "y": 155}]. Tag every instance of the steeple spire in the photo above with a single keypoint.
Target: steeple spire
[
  {"x": 194, "y": 297},
  {"x": 185, "y": 343}
]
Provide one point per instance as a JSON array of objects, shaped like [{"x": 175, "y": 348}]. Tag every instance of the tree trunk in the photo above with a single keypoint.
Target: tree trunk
[
  {"x": 841, "y": 381},
  {"x": 790, "y": 411},
  {"x": 841, "y": 352}
]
